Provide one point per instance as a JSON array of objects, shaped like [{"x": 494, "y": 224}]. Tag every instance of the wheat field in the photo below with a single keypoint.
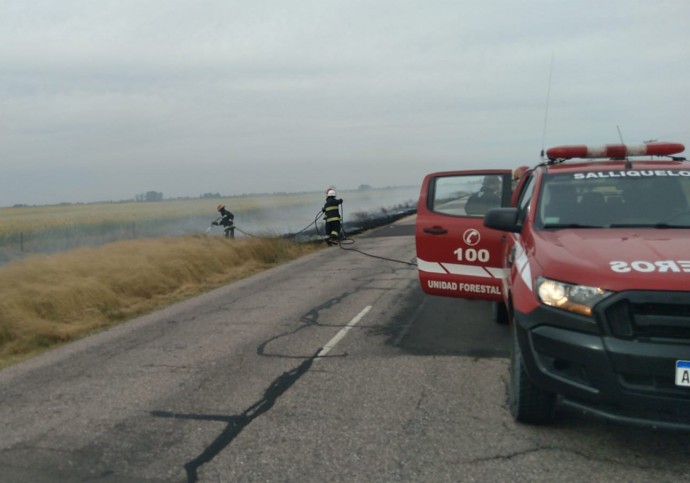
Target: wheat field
[
  {"x": 28, "y": 230},
  {"x": 31, "y": 218}
]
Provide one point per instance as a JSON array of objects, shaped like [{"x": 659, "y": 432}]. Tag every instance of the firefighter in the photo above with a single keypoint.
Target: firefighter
[
  {"x": 331, "y": 212},
  {"x": 489, "y": 196},
  {"x": 227, "y": 221},
  {"x": 519, "y": 173}
]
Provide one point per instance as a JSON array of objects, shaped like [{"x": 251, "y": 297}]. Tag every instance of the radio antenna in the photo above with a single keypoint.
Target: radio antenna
[
  {"x": 620, "y": 135},
  {"x": 628, "y": 164},
  {"x": 546, "y": 109}
]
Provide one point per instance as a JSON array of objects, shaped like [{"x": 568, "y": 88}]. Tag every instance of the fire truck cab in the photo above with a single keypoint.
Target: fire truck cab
[{"x": 588, "y": 258}]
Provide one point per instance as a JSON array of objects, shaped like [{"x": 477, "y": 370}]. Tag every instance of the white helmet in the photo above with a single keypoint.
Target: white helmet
[{"x": 330, "y": 192}]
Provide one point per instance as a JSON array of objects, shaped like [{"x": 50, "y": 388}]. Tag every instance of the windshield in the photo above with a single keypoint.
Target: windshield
[{"x": 626, "y": 198}]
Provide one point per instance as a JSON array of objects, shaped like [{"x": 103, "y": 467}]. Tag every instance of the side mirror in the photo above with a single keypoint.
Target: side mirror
[{"x": 504, "y": 219}]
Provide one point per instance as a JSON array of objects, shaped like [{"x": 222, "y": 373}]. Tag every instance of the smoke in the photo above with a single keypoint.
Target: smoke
[{"x": 287, "y": 216}]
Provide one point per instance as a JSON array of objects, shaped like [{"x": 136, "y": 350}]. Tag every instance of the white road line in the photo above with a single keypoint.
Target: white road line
[{"x": 343, "y": 332}]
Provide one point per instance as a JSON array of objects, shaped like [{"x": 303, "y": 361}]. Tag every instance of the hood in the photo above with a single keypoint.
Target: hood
[{"x": 616, "y": 259}]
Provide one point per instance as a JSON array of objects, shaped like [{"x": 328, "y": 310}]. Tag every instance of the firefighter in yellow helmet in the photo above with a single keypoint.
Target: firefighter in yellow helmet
[{"x": 331, "y": 211}]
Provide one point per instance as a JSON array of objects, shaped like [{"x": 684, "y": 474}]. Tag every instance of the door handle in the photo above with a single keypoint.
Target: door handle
[{"x": 435, "y": 230}]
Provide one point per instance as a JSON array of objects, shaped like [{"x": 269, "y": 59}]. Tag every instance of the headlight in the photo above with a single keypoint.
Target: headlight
[{"x": 574, "y": 298}]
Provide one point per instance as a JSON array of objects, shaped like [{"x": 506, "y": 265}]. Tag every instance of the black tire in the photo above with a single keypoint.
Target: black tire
[
  {"x": 529, "y": 404},
  {"x": 499, "y": 313}
]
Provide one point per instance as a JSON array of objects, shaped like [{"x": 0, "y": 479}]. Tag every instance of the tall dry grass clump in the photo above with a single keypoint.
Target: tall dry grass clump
[{"x": 48, "y": 300}]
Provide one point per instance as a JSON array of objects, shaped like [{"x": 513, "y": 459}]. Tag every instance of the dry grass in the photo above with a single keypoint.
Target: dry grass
[{"x": 50, "y": 300}]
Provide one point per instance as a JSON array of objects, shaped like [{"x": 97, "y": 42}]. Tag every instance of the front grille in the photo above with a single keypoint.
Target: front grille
[{"x": 647, "y": 315}]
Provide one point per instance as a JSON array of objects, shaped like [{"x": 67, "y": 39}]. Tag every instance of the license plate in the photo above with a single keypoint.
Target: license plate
[{"x": 683, "y": 373}]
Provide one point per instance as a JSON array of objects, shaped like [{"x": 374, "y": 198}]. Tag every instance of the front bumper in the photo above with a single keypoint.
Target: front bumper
[{"x": 619, "y": 369}]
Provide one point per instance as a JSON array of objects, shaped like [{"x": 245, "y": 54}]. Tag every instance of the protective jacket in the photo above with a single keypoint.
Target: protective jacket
[
  {"x": 331, "y": 211},
  {"x": 228, "y": 221},
  {"x": 227, "y": 217}
]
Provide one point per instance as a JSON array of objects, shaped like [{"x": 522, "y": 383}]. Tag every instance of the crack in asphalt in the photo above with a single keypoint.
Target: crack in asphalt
[
  {"x": 551, "y": 448},
  {"x": 237, "y": 423},
  {"x": 310, "y": 319}
]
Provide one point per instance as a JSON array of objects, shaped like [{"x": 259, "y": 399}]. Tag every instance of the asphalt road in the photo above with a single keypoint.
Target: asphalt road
[{"x": 334, "y": 367}]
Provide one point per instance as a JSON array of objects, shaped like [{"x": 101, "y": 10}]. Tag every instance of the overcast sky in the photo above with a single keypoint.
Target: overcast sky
[{"x": 106, "y": 99}]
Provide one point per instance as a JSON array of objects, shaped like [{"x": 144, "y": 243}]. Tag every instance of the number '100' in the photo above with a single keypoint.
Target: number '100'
[{"x": 472, "y": 255}]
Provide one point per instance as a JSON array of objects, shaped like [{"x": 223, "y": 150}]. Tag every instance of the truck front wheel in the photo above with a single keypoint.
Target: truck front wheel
[
  {"x": 499, "y": 313},
  {"x": 528, "y": 403}
]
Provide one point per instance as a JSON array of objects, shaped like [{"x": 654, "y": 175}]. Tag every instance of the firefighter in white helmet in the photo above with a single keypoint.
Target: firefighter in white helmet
[{"x": 331, "y": 210}]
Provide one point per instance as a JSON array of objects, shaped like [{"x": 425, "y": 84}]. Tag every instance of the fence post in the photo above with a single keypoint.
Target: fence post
[{"x": 21, "y": 241}]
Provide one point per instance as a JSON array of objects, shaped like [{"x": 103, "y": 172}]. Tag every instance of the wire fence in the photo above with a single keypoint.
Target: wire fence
[{"x": 272, "y": 222}]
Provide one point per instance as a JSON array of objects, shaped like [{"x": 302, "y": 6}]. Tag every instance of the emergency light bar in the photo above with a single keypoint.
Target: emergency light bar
[{"x": 614, "y": 150}]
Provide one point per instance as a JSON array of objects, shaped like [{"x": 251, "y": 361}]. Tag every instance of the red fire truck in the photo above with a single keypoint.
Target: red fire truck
[{"x": 587, "y": 256}]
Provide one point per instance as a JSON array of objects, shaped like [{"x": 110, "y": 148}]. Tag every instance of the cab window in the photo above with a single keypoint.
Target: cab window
[
  {"x": 469, "y": 195},
  {"x": 524, "y": 199}
]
